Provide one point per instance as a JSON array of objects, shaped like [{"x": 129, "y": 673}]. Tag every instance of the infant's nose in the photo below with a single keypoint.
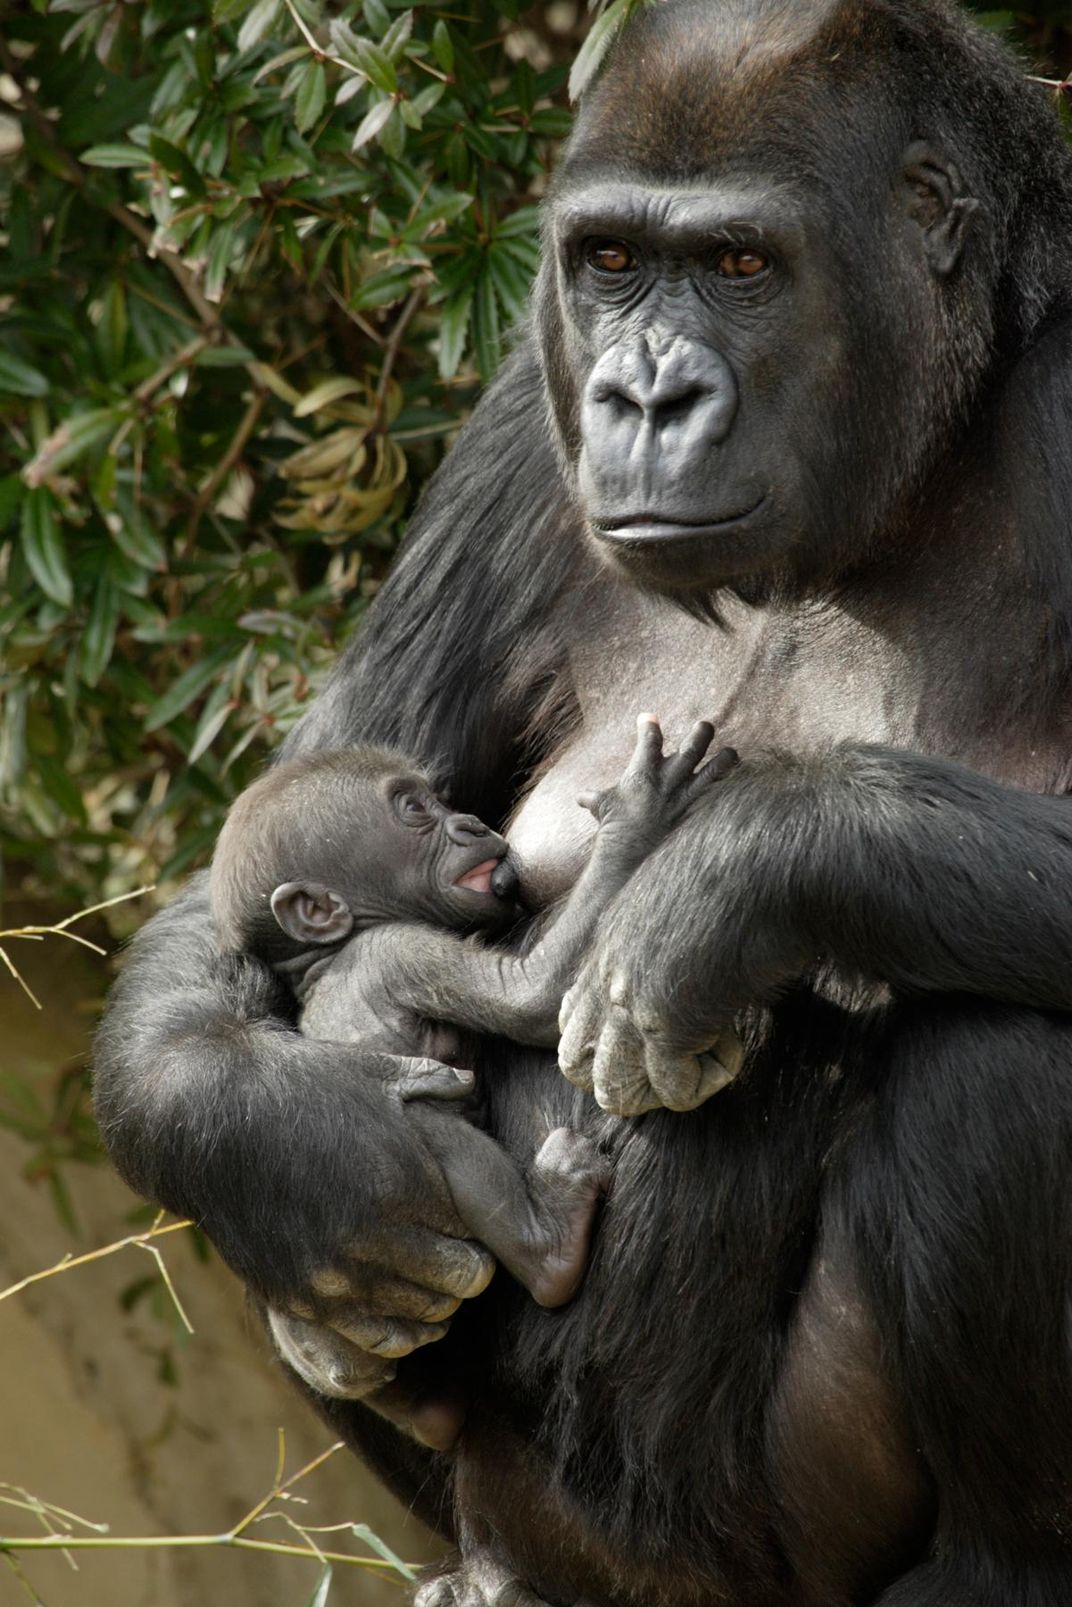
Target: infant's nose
[{"x": 464, "y": 829}]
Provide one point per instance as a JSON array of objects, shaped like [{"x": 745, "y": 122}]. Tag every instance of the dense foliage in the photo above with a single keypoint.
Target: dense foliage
[{"x": 258, "y": 257}]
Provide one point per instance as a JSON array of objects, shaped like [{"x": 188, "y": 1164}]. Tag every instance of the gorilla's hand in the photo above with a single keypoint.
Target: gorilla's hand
[
  {"x": 618, "y": 1043},
  {"x": 394, "y": 1280},
  {"x": 711, "y": 923}
]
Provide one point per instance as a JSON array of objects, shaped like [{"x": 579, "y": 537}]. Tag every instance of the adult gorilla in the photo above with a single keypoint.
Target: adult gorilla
[{"x": 805, "y": 329}]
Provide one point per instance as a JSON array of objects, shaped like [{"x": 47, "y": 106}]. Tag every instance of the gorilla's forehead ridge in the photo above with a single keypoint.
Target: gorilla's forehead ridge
[{"x": 701, "y": 80}]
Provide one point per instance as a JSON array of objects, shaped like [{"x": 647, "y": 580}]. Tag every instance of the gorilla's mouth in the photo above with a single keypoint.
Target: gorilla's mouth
[
  {"x": 655, "y": 527},
  {"x": 478, "y": 880}
]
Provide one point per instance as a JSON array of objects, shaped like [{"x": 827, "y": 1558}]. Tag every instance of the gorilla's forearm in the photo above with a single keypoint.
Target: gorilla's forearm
[
  {"x": 213, "y": 1106},
  {"x": 896, "y": 866}
]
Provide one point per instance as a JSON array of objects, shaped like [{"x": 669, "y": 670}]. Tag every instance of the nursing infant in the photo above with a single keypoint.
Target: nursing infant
[{"x": 346, "y": 873}]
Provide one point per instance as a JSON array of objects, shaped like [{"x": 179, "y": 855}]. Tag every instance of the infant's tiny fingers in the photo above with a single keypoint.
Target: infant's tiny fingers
[
  {"x": 714, "y": 771},
  {"x": 592, "y": 801},
  {"x": 694, "y": 747},
  {"x": 648, "y": 750}
]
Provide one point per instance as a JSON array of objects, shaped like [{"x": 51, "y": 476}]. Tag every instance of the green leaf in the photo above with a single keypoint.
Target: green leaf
[
  {"x": 394, "y": 42},
  {"x": 115, "y": 156},
  {"x": 214, "y": 716},
  {"x": 98, "y": 638},
  {"x": 43, "y": 547},
  {"x": 219, "y": 260},
  {"x": 373, "y": 122},
  {"x": 377, "y": 16},
  {"x": 367, "y": 57},
  {"x": 486, "y": 338},
  {"x": 177, "y": 163},
  {"x": 76, "y": 436},
  {"x": 61, "y": 786},
  {"x": 383, "y": 289},
  {"x": 552, "y": 122},
  {"x": 224, "y": 357},
  {"x": 19, "y": 379},
  {"x": 332, "y": 390},
  {"x": 361, "y": 1531},
  {"x": 453, "y": 330},
  {"x": 190, "y": 684},
  {"x": 443, "y": 47},
  {"x": 311, "y": 97},
  {"x": 112, "y": 326},
  {"x": 323, "y": 1585},
  {"x": 512, "y": 283},
  {"x": 259, "y": 22},
  {"x": 525, "y": 222},
  {"x": 445, "y": 211},
  {"x": 600, "y": 38}
]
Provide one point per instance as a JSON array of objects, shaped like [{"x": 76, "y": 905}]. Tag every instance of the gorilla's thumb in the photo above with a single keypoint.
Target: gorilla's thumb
[{"x": 428, "y": 1079}]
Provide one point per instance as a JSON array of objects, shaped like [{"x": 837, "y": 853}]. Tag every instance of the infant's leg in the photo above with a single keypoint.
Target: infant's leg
[{"x": 538, "y": 1226}]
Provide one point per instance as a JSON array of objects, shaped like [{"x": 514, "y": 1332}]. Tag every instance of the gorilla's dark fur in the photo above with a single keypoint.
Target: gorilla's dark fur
[{"x": 804, "y": 337}]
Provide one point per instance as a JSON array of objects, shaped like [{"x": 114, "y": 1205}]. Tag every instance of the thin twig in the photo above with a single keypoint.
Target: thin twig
[
  {"x": 224, "y": 465},
  {"x": 234, "y": 1538},
  {"x": 317, "y": 49},
  {"x": 68, "y": 1262},
  {"x": 177, "y": 360},
  {"x": 37, "y": 934},
  {"x": 394, "y": 342}
]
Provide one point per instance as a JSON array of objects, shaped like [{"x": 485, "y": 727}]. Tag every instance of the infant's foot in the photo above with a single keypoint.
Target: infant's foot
[
  {"x": 567, "y": 1178},
  {"x": 478, "y": 1580}
]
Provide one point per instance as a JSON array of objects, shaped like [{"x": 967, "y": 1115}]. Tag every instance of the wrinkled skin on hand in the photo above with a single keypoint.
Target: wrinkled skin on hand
[
  {"x": 648, "y": 1024},
  {"x": 395, "y": 1287}
]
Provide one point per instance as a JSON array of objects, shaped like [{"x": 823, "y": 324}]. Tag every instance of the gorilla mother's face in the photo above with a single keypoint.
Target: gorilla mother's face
[
  {"x": 748, "y": 308},
  {"x": 698, "y": 336}
]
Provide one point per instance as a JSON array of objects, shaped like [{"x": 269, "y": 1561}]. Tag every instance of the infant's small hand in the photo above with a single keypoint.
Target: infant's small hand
[{"x": 656, "y": 788}]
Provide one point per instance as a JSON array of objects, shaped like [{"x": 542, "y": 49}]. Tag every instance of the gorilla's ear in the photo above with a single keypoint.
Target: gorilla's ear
[
  {"x": 309, "y": 912},
  {"x": 934, "y": 198}
]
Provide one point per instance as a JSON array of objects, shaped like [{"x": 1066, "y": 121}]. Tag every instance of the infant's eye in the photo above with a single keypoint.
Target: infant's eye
[{"x": 412, "y": 808}]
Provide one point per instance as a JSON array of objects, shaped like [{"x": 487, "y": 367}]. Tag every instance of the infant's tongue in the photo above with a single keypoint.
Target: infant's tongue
[{"x": 478, "y": 880}]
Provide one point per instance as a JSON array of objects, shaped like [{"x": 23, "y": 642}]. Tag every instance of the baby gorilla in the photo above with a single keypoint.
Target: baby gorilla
[{"x": 347, "y": 874}]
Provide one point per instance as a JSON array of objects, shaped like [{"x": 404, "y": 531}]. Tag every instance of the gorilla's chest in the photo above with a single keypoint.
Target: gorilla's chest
[{"x": 763, "y": 679}]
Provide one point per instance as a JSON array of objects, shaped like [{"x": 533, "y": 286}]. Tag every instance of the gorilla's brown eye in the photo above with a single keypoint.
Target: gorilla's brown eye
[
  {"x": 740, "y": 263},
  {"x": 610, "y": 256}
]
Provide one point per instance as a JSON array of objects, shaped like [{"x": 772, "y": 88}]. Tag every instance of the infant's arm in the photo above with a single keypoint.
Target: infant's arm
[{"x": 445, "y": 978}]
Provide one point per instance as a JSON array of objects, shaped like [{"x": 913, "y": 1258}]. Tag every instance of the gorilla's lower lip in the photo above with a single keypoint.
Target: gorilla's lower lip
[
  {"x": 478, "y": 880},
  {"x": 650, "y": 527}
]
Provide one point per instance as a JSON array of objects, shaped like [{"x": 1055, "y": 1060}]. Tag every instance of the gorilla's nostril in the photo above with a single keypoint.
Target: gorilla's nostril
[{"x": 678, "y": 407}]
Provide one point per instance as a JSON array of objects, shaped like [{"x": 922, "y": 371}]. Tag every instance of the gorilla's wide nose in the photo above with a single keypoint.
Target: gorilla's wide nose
[
  {"x": 464, "y": 829},
  {"x": 674, "y": 394}
]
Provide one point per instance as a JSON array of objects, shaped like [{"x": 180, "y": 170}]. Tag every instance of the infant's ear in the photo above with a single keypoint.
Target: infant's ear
[{"x": 311, "y": 913}]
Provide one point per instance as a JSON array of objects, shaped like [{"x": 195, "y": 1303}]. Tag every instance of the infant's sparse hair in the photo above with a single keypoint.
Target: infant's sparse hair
[{"x": 296, "y": 822}]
